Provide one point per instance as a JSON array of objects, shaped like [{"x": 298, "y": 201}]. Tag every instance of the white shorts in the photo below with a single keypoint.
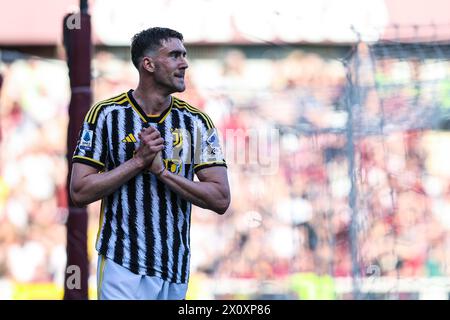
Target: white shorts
[{"x": 115, "y": 282}]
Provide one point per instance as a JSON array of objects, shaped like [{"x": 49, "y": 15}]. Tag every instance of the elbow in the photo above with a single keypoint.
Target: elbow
[
  {"x": 222, "y": 205},
  {"x": 77, "y": 199}
]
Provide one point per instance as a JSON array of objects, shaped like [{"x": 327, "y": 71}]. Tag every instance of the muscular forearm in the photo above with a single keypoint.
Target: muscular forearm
[
  {"x": 207, "y": 195},
  {"x": 92, "y": 187}
]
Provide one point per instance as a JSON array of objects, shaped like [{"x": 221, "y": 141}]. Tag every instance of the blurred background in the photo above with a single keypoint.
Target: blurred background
[{"x": 349, "y": 200}]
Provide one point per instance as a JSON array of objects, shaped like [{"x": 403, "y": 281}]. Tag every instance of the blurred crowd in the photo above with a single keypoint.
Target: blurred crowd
[
  {"x": 33, "y": 203},
  {"x": 282, "y": 122}
]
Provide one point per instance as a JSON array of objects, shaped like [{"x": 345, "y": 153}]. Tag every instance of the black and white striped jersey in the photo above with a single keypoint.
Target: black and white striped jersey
[{"x": 144, "y": 226}]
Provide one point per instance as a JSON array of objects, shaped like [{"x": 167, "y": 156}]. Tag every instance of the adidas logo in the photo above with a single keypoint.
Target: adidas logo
[{"x": 129, "y": 138}]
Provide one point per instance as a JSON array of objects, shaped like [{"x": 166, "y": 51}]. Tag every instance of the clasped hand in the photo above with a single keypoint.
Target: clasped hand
[{"x": 149, "y": 151}]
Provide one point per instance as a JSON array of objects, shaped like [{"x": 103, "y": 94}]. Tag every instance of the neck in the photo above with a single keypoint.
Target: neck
[{"x": 150, "y": 100}]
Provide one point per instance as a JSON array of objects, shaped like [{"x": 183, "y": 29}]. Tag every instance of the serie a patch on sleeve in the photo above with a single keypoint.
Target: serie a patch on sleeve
[
  {"x": 86, "y": 140},
  {"x": 213, "y": 144}
]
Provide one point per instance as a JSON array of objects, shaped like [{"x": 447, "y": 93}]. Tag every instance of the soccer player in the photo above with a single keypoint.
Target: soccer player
[{"x": 138, "y": 152}]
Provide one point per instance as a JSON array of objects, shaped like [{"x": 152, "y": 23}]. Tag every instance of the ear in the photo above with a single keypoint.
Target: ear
[{"x": 148, "y": 64}]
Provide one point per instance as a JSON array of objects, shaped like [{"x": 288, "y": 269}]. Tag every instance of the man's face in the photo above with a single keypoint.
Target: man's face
[{"x": 170, "y": 65}]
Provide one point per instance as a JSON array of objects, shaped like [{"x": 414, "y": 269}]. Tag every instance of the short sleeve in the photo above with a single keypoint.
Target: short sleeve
[
  {"x": 92, "y": 143},
  {"x": 211, "y": 152}
]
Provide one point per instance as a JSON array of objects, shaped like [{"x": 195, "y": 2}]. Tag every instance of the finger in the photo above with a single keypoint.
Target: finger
[
  {"x": 157, "y": 142},
  {"x": 150, "y": 129},
  {"x": 146, "y": 131},
  {"x": 152, "y": 141},
  {"x": 154, "y": 135},
  {"x": 156, "y": 149}
]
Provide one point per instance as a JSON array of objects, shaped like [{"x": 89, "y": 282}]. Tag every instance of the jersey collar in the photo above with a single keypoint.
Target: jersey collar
[{"x": 146, "y": 118}]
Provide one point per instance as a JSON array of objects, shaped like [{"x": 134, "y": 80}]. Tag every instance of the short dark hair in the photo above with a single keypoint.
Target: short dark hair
[{"x": 150, "y": 39}]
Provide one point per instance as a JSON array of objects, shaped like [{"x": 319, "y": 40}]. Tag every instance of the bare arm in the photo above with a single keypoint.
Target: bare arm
[
  {"x": 88, "y": 185},
  {"x": 211, "y": 192}
]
